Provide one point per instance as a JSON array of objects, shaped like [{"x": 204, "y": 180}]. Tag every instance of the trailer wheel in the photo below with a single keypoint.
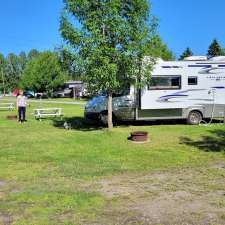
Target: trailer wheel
[{"x": 194, "y": 118}]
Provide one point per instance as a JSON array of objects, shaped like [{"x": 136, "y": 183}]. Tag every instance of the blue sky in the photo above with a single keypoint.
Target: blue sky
[
  {"x": 27, "y": 24},
  {"x": 192, "y": 23}
]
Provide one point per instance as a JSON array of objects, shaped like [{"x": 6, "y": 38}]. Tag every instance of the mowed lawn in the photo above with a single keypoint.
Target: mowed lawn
[{"x": 88, "y": 175}]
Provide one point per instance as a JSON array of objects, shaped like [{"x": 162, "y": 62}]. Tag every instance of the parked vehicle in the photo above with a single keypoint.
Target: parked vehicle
[
  {"x": 193, "y": 89},
  {"x": 29, "y": 94},
  {"x": 41, "y": 95},
  {"x": 62, "y": 93}
]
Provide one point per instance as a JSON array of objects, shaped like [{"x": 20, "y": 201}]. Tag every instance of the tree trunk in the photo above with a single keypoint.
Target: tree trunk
[
  {"x": 110, "y": 122},
  {"x": 74, "y": 93}
]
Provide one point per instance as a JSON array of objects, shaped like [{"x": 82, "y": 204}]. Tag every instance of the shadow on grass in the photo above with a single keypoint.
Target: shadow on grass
[
  {"x": 157, "y": 122},
  {"x": 214, "y": 142},
  {"x": 78, "y": 123}
]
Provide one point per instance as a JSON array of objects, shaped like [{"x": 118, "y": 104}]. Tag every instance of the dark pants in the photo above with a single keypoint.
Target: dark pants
[{"x": 22, "y": 113}]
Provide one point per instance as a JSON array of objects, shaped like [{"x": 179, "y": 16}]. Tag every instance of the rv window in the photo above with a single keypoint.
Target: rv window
[
  {"x": 192, "y": 80},
  {"x": 165, "y": 83}
]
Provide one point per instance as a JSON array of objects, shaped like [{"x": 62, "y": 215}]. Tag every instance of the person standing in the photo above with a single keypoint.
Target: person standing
[{"x": 21, "y": 102}]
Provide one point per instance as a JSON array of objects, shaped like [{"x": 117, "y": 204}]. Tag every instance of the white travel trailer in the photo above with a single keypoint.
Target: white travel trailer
[{"x": 192, "y": 89}]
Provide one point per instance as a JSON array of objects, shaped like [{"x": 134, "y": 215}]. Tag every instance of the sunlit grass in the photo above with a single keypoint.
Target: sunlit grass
[{"x": 44, "y": 166}]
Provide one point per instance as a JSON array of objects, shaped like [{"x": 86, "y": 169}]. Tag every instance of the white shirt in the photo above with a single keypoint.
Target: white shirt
[{"x": 21, "y": 101}]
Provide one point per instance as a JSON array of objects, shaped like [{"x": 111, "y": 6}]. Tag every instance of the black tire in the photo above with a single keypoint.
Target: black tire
[
  {"x": 194, "y": 118},
  {"x": 103, "y": 117}
]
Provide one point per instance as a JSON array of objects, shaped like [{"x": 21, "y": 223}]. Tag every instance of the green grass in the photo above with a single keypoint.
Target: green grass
[{"x": 45, "y": 167}]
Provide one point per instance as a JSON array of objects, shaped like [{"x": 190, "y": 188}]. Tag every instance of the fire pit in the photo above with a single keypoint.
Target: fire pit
[
  {"x": 12, "y": 117},
  {"x": 139, "y": 136}
]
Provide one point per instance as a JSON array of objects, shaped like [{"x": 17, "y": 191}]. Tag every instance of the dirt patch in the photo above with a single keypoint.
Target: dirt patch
[
  {"x": 168, "y": 198},
  {"x": 219, "y": 165},
  {"x": 2, "y": 194},
  {"x": 2, "y": 183},
  {"x": 5, "y": 219},
  {"x": 181, "y": 207}
]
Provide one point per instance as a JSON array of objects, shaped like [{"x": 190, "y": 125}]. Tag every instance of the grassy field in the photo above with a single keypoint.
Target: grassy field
[{"x": 88, "y": 175}]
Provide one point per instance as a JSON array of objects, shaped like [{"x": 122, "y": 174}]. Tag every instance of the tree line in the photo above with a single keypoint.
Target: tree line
[
  {"x": 214, "y": 49},
  {"x": 46, "y": 71},
  {"x": 39, "y": 71}
]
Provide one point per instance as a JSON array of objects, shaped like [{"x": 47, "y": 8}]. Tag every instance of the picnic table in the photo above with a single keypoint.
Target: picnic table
[
  {"x": 47, "y": 112},
  {"x": 8, "y": 105}
]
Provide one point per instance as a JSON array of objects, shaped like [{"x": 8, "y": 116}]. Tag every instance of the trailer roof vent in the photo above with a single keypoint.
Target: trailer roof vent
[
  {"x": 217, "y": 58},
  {"x": 195, "y": 58}
]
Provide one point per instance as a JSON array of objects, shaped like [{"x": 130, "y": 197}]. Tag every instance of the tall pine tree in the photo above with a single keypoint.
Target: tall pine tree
[
  {"x": 187, "y": 52},
  {"x": 214, "y": 49}
]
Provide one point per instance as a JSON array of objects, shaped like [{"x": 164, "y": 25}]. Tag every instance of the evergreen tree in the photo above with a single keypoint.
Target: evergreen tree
[
  {"x": 223, "y": 52},
  {"x": 214, "y": 49},
  {"x": 3, "y": 87},
  {"x": 187, "y": 52},
  {"x": 68, "y": 62},
  {"x": 22, "y": 60},
  {"x": 32, "y": 54},
  {"x": 13, "y": 71}
]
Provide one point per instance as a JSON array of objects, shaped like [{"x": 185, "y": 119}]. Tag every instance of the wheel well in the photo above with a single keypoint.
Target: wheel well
[
  {"x": 105, "y": 112},
  {"x": 196, "y": 110}
]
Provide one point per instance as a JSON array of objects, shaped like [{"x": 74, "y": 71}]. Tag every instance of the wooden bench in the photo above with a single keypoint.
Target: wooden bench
[
  {"x": 8, "y": 106},
  {"x": 47, "y": 112}
]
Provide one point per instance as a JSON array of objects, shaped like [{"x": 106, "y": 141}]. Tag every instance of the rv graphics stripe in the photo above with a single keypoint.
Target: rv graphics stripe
[
  {"x": 218, "y": 87},
  {"x": 173, "y": 67},
  {"x": 178, "y": 94},
  {"x": 204, "y": 66},
  {"x": 167, "y": 97}
]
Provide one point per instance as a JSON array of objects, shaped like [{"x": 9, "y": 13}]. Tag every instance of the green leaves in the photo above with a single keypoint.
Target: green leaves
[
  {"x": 156, "y": 48},
  {"x": 72, "y": 35},
  {"x": 43, "y": 73},
  {"x": 109, "y": 38}
]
